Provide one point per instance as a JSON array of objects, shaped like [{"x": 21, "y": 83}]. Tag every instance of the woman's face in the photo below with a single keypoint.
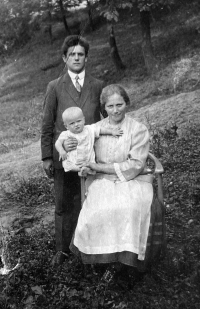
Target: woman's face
[{"x": 115, "y": 108}]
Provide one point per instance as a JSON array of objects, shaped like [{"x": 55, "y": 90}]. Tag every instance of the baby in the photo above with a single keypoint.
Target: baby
[{"x": 74, "y": 121}]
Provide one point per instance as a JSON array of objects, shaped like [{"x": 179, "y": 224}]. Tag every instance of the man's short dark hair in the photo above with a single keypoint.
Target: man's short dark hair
[{"x": 74, "y": 40}]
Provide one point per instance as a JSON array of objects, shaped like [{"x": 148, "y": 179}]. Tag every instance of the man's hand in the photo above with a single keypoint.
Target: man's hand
[
  {"x": 70, "y": 144},
  {"x": 48, "y": 167},
  {"x": 117, "y": 132}
]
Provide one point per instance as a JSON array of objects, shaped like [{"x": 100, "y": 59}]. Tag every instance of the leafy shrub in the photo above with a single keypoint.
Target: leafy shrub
[{"x": 180, "y": 159}]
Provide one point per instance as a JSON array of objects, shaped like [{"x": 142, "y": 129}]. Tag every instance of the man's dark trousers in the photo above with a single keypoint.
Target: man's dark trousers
[{"x": 68, "y": 205}]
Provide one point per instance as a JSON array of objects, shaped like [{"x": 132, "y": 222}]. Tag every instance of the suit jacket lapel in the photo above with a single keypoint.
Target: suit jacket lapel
[
  {"x": 85, "y": 90},
  {"x": 69, "y": 87}
]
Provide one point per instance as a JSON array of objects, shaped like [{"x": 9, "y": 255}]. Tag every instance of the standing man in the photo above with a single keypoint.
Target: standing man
[{"x": 75, "y": 88}]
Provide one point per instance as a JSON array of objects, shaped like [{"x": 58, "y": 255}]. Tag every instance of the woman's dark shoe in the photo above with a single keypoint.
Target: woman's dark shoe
[
  {"x": 59, "y": 258},
  {"x": 128, "y": 275},
  {"x": 89, "y": 270}
]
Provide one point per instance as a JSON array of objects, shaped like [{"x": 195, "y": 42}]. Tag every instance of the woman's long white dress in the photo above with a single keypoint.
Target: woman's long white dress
[{"x": 115, "y": 216}]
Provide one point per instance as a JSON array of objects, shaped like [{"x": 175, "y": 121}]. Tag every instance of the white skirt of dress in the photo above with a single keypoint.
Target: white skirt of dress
[{"x": 115, "y": 217}]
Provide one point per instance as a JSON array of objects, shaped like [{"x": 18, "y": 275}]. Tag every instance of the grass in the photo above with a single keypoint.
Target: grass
[{"x": 172, "y": 283}]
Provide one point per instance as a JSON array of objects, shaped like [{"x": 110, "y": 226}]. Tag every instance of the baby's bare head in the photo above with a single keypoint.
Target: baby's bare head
[
  {"x": 73, "y": 119},
  {"x": 71, "y": 113}
]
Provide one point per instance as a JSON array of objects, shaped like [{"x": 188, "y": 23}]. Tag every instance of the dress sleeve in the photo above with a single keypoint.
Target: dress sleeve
[
  {"x": 96, "y": 127},
  {"x": 137, "y": 155}
]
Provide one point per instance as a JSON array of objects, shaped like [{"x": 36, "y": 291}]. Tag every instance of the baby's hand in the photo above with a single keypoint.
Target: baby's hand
[
  {"x": 117, "y": 132},
  {"x": 62, "y": 155}
]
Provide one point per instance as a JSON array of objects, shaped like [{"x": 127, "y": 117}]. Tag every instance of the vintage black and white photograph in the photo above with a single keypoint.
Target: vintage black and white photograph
[{"x": 100, "y": 154}]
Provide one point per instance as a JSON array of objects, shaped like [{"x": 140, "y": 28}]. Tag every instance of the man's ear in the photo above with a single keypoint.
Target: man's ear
[
  {"x": 64, "y": 58},
  {"x": 85, "y": 59}
]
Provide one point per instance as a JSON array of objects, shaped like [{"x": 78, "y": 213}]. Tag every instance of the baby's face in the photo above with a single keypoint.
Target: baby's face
[{"x": 75, "y": 124}]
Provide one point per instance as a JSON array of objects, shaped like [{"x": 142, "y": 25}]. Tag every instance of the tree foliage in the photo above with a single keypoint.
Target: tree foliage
[
  {"x": 19, "y": 19},
  {"x": 111, "y": 9},
  {"x": 15, "y": 22}
]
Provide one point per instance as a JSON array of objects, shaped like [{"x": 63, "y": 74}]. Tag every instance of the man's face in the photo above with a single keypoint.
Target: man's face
[{"x": 75, "y": 59}]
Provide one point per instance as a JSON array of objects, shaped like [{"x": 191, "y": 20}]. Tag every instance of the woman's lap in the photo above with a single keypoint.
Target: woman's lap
[
  {"x": 113, "y": 218},
  {"x": 155, "y": 244}
]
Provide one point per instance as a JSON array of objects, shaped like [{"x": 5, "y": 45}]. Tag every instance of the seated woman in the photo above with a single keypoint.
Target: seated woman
[{"x": 121, "y": 220}]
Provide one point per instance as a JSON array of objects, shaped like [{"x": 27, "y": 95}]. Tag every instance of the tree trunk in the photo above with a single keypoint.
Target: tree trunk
[
  {"x": 90, "y": 15},
  {"x": 147, "y": 49},
  {"x": 64, "y": 17},
  {"x": 49, "y": 22},
  {"x": 114, "y": 50}
]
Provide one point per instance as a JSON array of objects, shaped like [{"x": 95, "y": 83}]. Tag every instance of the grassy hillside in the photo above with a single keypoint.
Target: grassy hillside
[
  {"x": 25, "y": 75},
  {"x": 27, "y": 203}
]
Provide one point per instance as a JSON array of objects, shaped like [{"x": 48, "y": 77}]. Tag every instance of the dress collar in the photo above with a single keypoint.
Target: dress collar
[{"x": 117, "y": 124}]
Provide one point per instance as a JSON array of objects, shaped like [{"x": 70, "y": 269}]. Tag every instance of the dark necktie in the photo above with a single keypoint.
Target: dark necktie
[{"x": 78, "y": 86}]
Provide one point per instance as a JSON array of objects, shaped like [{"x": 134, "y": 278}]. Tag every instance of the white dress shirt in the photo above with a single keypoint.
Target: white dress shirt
[{"x": 80, "y": 75}]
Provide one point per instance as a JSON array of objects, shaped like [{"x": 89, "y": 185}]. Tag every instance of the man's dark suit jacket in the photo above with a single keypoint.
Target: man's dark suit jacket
[{"x": 60, "y": 95}]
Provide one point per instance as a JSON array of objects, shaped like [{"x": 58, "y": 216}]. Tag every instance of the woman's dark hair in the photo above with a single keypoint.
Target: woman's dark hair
[
  {"x": 74, "y": 40},
  {"x": 109, "y": 90}
]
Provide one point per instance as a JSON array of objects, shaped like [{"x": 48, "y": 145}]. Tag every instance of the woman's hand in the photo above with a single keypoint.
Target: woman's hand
[
  {"x": 101, "y": 167},
  {"x": 86, "y": 171},
  {"x": 92, "y": 166},
  {"x": 70, "y": 144}
]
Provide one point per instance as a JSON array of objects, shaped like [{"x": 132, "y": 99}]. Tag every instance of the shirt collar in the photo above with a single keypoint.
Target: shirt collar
[{"x": 73, "y": 75}]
